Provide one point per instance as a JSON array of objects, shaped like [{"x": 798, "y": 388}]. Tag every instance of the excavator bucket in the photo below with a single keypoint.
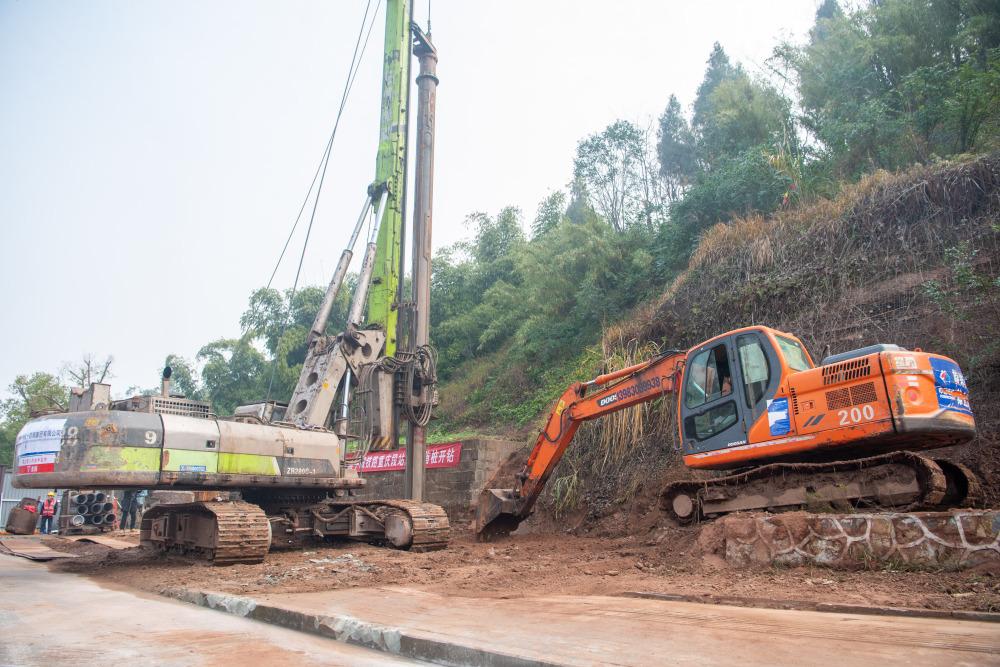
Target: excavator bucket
[{"x": 497, "y": 514}]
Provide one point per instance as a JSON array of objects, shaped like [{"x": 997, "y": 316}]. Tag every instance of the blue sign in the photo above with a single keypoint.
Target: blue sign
[
  {"x": 777, "y": 416},
  {"x": 949, "y": 383}
]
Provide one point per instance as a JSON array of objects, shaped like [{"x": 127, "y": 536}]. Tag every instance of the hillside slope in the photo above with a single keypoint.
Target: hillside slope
[{"x": 910, "y": 258}]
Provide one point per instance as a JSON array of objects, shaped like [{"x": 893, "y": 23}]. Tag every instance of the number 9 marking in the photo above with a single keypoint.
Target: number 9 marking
[{"x": 150, "y": 437}]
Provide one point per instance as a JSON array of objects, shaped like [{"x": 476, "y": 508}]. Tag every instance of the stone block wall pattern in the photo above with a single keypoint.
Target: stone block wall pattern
[
  {"x": 953, "y": 540},
  {"x": 456, "y": 489}
]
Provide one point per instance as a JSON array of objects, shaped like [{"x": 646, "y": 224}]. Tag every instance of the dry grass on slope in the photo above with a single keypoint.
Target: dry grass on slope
[{"x": 908, "y": 258}]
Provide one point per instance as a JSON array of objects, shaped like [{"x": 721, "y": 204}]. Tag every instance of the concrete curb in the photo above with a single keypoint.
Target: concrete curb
[
  {"x": 352, "y": 630},
  {"x": 830, "y": 607}
]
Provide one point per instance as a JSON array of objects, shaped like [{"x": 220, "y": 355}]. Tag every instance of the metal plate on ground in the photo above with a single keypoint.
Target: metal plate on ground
[
  {"x": 104, "y": 541},
  {"x": 31, "y": 549}
]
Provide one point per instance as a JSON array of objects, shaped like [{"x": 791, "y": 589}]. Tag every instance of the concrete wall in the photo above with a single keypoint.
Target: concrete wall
[
  {"x": 455, "y": 489},
  {"x": 954, "y": 540}
]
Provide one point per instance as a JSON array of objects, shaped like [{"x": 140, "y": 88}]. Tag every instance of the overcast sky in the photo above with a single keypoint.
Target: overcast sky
[{"x": 153, "y": 155}]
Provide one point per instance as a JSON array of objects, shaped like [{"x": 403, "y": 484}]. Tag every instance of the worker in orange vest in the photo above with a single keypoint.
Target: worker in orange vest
[{"x": 49, "y": 508}]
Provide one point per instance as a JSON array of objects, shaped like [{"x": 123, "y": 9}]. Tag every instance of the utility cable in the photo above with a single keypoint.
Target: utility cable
[
  {"x": 352, "y": 73},
  {"x": 329, "y": 145}
]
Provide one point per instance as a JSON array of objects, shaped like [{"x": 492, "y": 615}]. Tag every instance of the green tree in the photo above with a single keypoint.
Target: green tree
[
  {"x": 184, "y": 377},
  {"x": 898, "y": 81},
  {"x": 744, "y": 114},
  {"x": 676, "y": 150},
  {"x": 719, "y": 69},
  {"x": 575, "y": 279},
  {"x": 471, "y": 288},
  {"x": 551, "y": 211},
  {"x": 617, "y": 167},
  {"x": 29, "y": 394},
  {"x": 496, "y": 238},
  {"x": 281, "y": 322},
  {"x": 234, "y": 373},
  {"x": 749, "y": 183},
  {"x": 579, "y": 211}
]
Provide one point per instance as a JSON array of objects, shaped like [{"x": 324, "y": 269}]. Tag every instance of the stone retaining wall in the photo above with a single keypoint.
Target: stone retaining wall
[
  {"x": 456, "y": 489},
  {"x": 957, "y": 539}
]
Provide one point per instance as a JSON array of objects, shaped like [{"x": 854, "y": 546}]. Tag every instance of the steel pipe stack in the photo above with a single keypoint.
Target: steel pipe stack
[{"x": 91, "y": 509}]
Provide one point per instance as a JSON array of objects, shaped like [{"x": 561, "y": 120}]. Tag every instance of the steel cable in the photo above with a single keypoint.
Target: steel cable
[{"x": 352, "y": 73}]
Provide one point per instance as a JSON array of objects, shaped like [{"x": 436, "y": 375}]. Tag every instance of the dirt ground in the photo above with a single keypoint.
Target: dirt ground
[{"x": 662, "y": 559}]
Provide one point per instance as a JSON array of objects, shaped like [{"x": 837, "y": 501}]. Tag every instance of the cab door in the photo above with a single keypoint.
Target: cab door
[
  {"x": 760, "y": 373},
  {"x": 712, "y": 406}
]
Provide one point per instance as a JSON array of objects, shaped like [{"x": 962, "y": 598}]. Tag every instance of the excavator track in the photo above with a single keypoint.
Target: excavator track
[
  {"x": 899, "y": 480},
  {"x": 223, "y": 532},
  {"x": 428, "y": 526}
]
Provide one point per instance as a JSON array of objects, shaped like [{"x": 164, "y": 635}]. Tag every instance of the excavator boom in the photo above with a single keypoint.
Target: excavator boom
[{"x": 501, "y": 510}]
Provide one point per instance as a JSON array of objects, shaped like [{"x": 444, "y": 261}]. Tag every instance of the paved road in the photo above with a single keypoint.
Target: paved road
[
  {"x": 596, "y": 630},
  {"x": 52, "y": 618}
]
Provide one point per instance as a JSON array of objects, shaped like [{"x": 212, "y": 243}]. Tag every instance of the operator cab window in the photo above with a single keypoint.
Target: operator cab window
[
  {"x": 708, "y": 377},
  {"x": 795, "y": 355},
  {"x": 754, "y": 368}
]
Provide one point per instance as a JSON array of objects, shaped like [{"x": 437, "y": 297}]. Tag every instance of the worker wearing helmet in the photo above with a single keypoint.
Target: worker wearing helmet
[{"x": 48, "y": 511}]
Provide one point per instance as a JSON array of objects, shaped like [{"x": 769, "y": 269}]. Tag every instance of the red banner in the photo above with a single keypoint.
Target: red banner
[
  {"x": 33, "y": 463},
  {"x": 436, "y": 456}
]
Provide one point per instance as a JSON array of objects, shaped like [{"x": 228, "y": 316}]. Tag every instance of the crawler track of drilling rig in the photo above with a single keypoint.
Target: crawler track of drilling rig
[
  {"x": 224, "y": 532},
  {"x": 228, "y": 532},
  {"x": 900, "y": 481}
]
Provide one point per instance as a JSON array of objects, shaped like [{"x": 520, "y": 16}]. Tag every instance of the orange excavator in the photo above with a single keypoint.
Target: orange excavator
[{"x": 791, "y": 434}]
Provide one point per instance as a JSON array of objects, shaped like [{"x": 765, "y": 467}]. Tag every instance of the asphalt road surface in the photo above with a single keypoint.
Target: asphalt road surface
[{"x": 53, "y": 618}]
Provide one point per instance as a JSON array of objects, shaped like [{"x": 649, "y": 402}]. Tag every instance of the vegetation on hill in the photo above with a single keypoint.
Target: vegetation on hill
[{"x": 872, "y": 90}]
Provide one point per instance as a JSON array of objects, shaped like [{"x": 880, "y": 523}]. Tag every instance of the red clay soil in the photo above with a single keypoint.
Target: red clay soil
[{"x": 663, "y": 559}]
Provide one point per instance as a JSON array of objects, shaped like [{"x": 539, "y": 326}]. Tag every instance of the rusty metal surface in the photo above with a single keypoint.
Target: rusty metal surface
[
  {"x": 21, "y": 521},
  {"x": 30, "y": 548},
  {"x": 200, "y": 480},
  {"x": 425, "y": 526},
  {"x": 102, "y": 540},
  {"x": 431, "y": 529},
  {"x": 224, "y": 532}
]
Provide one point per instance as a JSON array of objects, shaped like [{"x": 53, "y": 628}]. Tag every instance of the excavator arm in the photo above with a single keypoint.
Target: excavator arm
[{"x": 500, "y": 511}]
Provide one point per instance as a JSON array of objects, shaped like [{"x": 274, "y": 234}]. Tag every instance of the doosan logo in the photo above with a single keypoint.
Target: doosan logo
[{"x": 640, "y": 387}]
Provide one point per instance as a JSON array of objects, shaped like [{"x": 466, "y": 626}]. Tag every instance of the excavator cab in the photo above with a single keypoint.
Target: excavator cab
[
  {"x": 754, "y": 396},
  {"x": 730, "y": 382}
]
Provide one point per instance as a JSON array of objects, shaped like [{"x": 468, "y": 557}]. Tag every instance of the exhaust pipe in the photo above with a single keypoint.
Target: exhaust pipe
[{"x": 165, "y": 384}]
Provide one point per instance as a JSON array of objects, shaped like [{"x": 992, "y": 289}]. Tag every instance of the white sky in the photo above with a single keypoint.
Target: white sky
[{"x": 154, "y": 154}]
